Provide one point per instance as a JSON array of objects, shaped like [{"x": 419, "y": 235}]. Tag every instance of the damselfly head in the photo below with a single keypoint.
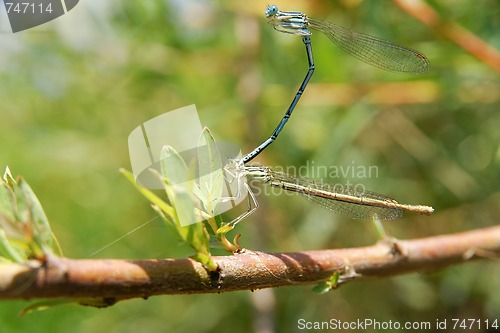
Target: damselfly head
[
  {"x": 234, "y": 167},
  {"x": 271, "y": 10}
]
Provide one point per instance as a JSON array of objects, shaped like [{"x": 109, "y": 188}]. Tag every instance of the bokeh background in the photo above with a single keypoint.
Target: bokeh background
[{"x": 73, "y": 89}]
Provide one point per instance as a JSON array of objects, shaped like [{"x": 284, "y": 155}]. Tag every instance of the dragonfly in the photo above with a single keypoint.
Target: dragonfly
[
  {"x": 371, "y": 50},
  {"x": 339, "y": 198}
]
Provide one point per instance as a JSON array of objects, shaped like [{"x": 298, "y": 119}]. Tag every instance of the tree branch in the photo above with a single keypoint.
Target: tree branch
[
  {"x": 453, "y": 31},
  {"x": 122, "y": 279}
]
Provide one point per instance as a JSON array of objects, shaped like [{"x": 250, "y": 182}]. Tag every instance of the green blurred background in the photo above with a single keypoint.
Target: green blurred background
[{"x": 72, "y": 90}]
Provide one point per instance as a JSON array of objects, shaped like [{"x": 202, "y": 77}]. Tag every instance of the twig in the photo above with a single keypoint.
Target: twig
[
  {"x": 115, "y": 280},
  {"x": 453, "y": 31}
]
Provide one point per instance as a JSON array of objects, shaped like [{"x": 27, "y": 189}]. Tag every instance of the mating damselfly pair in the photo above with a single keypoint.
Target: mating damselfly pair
[
  {"x": 340, "y": 199},
  {"x": 371, "y": 50}
]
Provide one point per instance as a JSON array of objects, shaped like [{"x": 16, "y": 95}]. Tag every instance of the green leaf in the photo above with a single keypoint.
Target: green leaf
[
  {"x": 184, "y": 196},
  {"x": 173, "y": 167},
  {"x": 7, "y": 178},
  {"x": 179, "y": 187},
  {"x": 322, "y": 288},
  {"x": 182, "y": 200},
  {"x": 7, "y": 211},
  {"x": 10, "y": 252},
  {"x": 210, "y": 171},
  {"x": 328, "y": 285},
  {"x": 46, "y": 304},
  {"x": 25, "y": 230},
  {"x": 7, "y": 197},
  {"x": 194, "y": 234},
  {"x": 27, "y": 200},
  {"x": 97, "y": 302},
  {"x": 179, "y": 190},
  {"x": 224, "y": 230}
]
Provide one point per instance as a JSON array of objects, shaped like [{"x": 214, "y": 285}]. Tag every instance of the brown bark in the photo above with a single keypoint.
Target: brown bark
[{"x": 122, "y": 279}]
